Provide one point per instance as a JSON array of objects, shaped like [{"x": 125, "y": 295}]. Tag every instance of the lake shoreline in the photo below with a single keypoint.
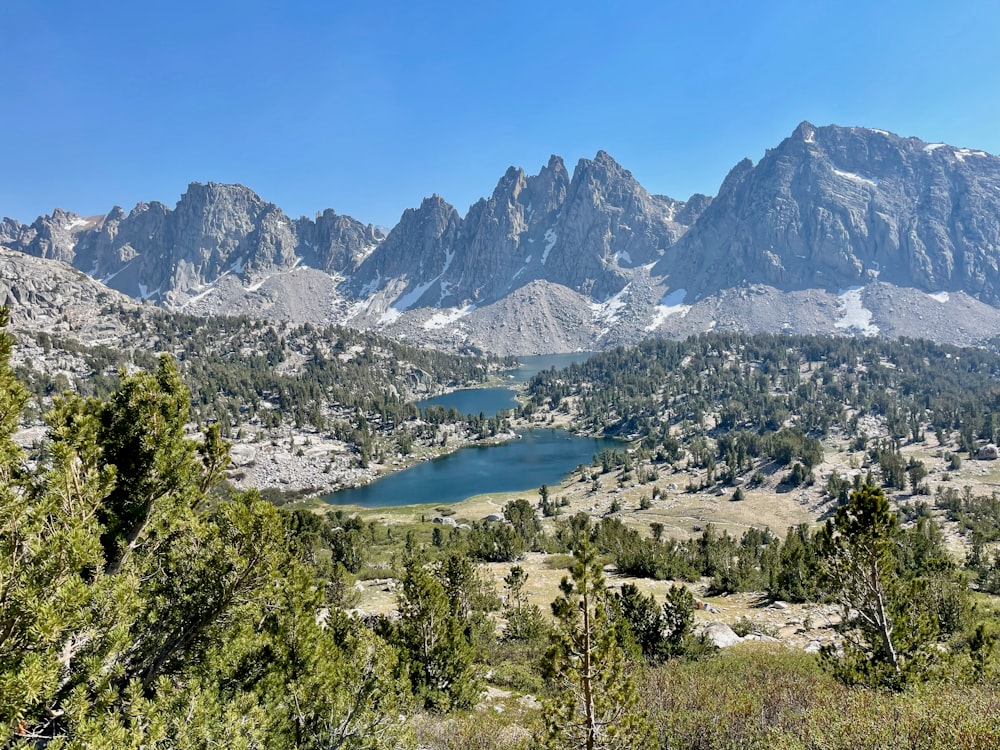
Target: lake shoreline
[
  {"x": 543, "y": 454},
  {"x": 298, "y": 463}
]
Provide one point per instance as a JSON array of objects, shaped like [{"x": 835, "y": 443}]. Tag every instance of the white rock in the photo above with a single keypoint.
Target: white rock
[{"x": 720, "y": 634}]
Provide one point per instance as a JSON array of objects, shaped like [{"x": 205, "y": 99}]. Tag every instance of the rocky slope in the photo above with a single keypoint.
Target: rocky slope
[
  {"x": 839, "y": 230},
  {"x": 215, "y": 231},
  {"x": 833, "y": 207},
  {"x": 50, "y": 296}
]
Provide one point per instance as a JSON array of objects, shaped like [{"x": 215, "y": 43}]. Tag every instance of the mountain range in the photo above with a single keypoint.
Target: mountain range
[{"x": 836, "y": 230}]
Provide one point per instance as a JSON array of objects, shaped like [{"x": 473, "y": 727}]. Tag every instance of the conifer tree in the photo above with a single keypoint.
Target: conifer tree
[
  {"x": 596, "y": 704},
  {"x": 436, "y": 642},
  {"x": 525, "y": 621},
  {"x": 888, "y": 632},
  {"x": 130, "y": 617}
]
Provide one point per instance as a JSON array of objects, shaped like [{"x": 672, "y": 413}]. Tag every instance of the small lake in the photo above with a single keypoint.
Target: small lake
[
  {"x": 489, "y": 401},
  {"x": 531, "y": 366},
  {"x": 538, "y": 457}
]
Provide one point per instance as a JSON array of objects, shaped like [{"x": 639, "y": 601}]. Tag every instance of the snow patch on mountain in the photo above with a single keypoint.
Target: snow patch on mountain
[
  {"x": 550, "y": 242},
  {"x": 144, "y": 294},
  {"x": 856, "y": 315},
  {"x": 108, "y": 278},
  {"x": 941, "y": 297},
  {"x": 961, "y": 153},
  {"x": 671, "y": 304},
  {"x": 447, "y": 316},
  {"x": 609, "y": 312},
  {"x": 198, "y": 297},
  {"x": 391, "y": 315},
  {"x": 406, "y": 301},
  {"x": 855, "y": 177}
]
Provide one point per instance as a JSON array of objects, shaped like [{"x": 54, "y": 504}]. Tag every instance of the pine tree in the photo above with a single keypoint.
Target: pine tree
[
  {"x": 596, "y": 703},
  {"x": 340, "y": 684},
  {"x": 434, "y": 638},
  {"x": 131, "y": 617},
  {"x": 888, "y": 632},
  {"x": 13, "y": 397},
  {"x": 524, "y": 620}
]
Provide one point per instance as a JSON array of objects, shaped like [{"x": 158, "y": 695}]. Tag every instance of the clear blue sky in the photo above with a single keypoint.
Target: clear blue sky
[{"x": 367, "y": 107}]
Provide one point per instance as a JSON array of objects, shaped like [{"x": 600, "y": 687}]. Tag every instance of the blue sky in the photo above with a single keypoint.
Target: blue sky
[{"x": 367, "y": 107}]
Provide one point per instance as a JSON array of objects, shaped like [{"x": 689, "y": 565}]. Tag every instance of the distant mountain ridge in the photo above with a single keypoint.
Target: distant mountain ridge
[{"x": 556, "y": 261}]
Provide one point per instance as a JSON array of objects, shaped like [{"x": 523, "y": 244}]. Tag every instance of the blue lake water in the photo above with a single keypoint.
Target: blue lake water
[
  {"x": 486, "y": 401},
  {"x": 489, "y": 401},
  {"x": 538, "y": 457},
  {"x": 531, "y": 366}
]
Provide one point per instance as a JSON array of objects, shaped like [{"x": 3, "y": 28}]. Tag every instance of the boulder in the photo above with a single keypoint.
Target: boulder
[{"x": 719, "y": 634}]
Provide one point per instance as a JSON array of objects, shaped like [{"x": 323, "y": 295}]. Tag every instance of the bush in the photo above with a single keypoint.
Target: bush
[
  {"x": 798, "y": 476},
  {"x": 760, "y": 696}
]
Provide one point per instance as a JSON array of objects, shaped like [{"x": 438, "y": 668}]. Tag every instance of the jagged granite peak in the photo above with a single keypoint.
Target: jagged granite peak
[
  {"x": 414, "y": 255},
  {"x": 53, "y": 236},
  {"x": 608, "y": 223},
  {"x": 584, "y": 232},
  {"x": 10, "y": 232},
  {"x": 335, "y": 243},
  {"x": 502, "y": 242},
  {"x": 215, "y": 230},
  {"x": 833, "y": 207},
  {"x": 122, "y": 239}
]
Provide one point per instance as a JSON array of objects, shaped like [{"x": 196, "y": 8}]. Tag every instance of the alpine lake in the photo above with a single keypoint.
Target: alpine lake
[{"x": 534, "y": 458}]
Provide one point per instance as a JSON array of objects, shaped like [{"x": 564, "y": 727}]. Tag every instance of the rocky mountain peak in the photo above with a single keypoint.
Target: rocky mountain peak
[
  {"x": 218, "y": 192},
  {"x": 602, "y": 169},
  {"x": 117, "y": 213},
  {"x": 414, "y": 254},
  {"x": 804, "y": 131},
  {"x": 10, "y": 231},
  {"x": 833, "y": 207},
  {"x": 434, "y": 203}
]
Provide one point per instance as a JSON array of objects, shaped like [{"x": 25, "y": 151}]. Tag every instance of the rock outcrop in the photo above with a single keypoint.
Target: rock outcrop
[{"x": 47, "y": 295}]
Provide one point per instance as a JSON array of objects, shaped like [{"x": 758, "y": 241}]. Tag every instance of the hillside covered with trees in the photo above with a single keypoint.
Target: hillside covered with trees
[
  {"x": 145, "y": 605},
  {"x": 352, "y": 391}
]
